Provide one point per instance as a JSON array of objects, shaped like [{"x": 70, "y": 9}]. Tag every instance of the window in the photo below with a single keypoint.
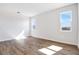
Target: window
[
  {"x": 66, "y": 21},
  {"x": 33, "y": 22}
]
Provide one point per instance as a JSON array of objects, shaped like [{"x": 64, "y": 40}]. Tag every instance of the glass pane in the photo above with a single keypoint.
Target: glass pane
[{"x": 66, "y": 20}]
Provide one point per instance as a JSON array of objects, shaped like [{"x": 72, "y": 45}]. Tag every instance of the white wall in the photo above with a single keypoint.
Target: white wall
[
  {"x": 78, "y": 25},
  {"x": 12, "y": 24},
  {"x": 48, "y": 26}
]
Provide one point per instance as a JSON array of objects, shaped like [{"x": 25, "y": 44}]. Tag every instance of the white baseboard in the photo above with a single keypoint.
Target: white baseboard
[
  {"x": 56, "y": 40},
  {"x": 5, "y": 40}
]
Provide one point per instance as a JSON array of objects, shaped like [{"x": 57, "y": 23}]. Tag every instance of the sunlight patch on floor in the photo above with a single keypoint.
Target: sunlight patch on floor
[
  {"x": 55, "y": 48},
  {"x": 50, "y": 50},
  {"x": 46, "y": 51}
]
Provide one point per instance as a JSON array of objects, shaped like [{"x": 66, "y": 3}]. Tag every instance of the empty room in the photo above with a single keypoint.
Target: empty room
[{"x": 39, "y": 29}]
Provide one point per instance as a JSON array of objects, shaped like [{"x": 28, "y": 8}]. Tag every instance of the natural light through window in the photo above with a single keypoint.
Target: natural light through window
[
  {"x": 20, "y": 36},
  {"x": 66, "y": 20},
  {"x": 50, "y": 50},
  {"x": 25, "y": 30},
  {"x": 55, "y": 48},
  {"x": 46, "y": 51}
]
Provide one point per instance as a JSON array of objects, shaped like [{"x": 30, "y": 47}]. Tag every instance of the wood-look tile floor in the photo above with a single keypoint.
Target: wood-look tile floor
[{"x": 35, "y": 46}]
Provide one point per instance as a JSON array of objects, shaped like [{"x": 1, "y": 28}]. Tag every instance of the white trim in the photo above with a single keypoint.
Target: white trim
[
  {"x": 55, "y": 40},
  {"x": 6, "y": 40}
]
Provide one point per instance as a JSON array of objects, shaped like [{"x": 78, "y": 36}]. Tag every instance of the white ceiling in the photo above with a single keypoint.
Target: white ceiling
[{"x": 31, "y": 9}]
